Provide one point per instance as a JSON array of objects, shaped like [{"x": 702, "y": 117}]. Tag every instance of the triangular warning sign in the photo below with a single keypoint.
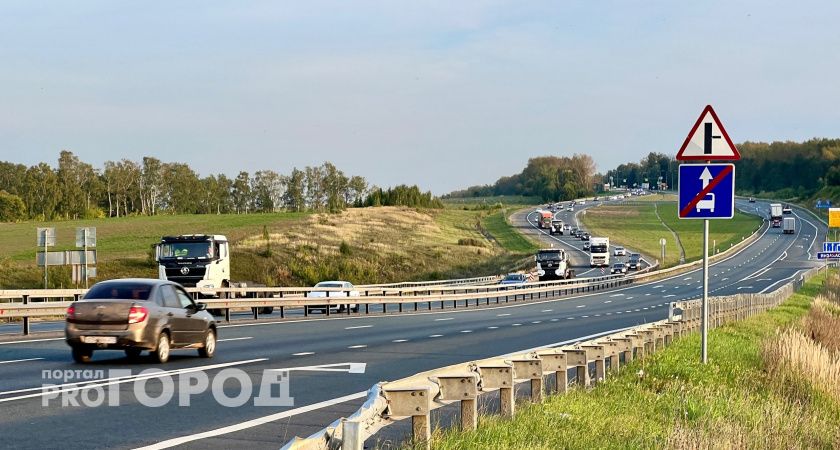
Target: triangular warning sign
[{"x": 708, "y": 140}]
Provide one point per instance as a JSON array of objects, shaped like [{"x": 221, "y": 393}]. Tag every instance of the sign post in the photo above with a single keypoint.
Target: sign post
[
  {"x": 86, "y": 237},
  {"x": 662, "y": 244},
  {"x": 707, "y": 191},
  {"x": 46, "y": 238}
]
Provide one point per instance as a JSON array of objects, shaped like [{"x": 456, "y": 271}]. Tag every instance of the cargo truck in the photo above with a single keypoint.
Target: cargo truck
[
  {"x": 198, "y": 260},
  {"x": 776, "y": 214},
  {"x": 545, "y": 220},
  {"x": 599, "y": 252},
  {"x": 789, "y": 225},
  {"x": 553, "y": 264}
]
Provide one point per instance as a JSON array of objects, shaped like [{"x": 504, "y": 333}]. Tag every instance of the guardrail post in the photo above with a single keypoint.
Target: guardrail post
[
  {"x": 500, "y": 376},
  {"x": 578, "y": 359},
  {"x": 25, "y": 318},
  {"x": 596, "y": 352},
  {"x": 416, "y": 403},
  {"x": 351, "y": 435},
  {"x": 530, "y": 369},
  {"x": 556, "y": 362},
  {"x": 463, "y": 388}
]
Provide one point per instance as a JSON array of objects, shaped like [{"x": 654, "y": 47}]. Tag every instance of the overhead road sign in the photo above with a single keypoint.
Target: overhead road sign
[
  {"x": 707, "y": 191},
  {"x": 834, "y": 217},
  {"x": 708, "y": 140}
]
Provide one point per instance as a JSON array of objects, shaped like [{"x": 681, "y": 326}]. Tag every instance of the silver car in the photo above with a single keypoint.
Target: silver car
[
  {"x": 134, "y": 315},
  {"x": 348, "y": 290}
]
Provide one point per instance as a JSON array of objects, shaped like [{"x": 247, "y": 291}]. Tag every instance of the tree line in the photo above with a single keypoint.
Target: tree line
[
  {"x": 76, "y": 189},
  {"x": 551, "y": 178},
  {"x": 785, "y": 169}
]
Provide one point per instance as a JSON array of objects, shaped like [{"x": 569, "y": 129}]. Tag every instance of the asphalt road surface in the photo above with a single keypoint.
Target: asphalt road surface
[{"x": 390, "y": 347}]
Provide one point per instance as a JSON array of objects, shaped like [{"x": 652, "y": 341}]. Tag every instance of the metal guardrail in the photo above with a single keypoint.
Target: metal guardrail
[
  {"x": 26, "y": 304},
  {"x": 452, "y": 282},
  {"x": 417, "y": 395}
]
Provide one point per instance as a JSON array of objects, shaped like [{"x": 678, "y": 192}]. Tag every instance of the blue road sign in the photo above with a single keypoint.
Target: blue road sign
[
  {"x": 831, "y": 247},
  {"x": 707, "y": 191},
  {"x": 823, "y": 204}
]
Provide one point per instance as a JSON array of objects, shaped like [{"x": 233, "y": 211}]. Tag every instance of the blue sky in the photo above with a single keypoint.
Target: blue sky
[{"x": 439, "y": 93}]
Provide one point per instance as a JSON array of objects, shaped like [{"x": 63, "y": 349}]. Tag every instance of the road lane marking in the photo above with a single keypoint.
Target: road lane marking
[
  {"x": 492, "y": 328},
  {"x": 303, "y": 354},
  {"x": 670, "y": 295},
  {"x": 436, "y": 336},
  {"x": 443, "y": 319},
  {"x": 358, "y": 346},
  {"x": 502, "y": 315},
  {"x": 31, "y": 340},
  {"x": 358, "y": 327},
  {"x": 546, "y": 310},
  {"x": 253, "y": 423},
  {"x": 608, "y": 301},
  {"x": 399, "y": 340},
  {"x": 235, "y": 339},
  {"x": 20, "y": 360},
  {"x": 581, "y": 306},
  {"x": 537, "y": 321},
  {"x": 466, "y": 331}
]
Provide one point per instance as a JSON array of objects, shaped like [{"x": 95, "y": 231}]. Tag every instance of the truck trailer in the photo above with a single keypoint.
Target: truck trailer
[
  {"x": 788, "y": 225},
  {"x": 776, "y": 214}
]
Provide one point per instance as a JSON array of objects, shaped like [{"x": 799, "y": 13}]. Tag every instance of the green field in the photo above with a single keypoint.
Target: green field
[
  {"x": 506, "y": 236},
  {"x": 381, "y": 245},
  {"x": 670, "y": 400},
  {"x": 638, "y": 227}
]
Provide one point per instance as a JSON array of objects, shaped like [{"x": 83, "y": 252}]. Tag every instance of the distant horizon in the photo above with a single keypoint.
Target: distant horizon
[{"x": 441, "y": 95}]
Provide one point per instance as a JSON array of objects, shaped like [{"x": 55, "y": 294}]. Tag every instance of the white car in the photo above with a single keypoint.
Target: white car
[
  {"x": 348, "y": 291},
  {"x": 582, "y": 202},
  {"x": 620, "y": 251}
]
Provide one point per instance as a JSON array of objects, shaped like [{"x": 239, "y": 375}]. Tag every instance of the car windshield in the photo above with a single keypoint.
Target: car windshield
[
  {"x": 329, "y": 285},
  {"x": 549, "y": 256},
  {"x": 598, "y": 248},
  {"x": 187, "y": 250},
  {"x": 121, "y": 291},
  {"x": 618, "y": 266}
]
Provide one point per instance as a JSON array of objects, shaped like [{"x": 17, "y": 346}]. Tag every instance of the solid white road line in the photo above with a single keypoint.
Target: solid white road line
[
  {"x": 254, "y": 422},
  {"x": 20, "y": 360},
  {"x": 31, "y": 340}
]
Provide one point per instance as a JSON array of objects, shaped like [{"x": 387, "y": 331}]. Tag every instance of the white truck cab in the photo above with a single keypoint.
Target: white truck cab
[
  {"x": 194, "y": 260},
  {"x": 599, "y": 252}
]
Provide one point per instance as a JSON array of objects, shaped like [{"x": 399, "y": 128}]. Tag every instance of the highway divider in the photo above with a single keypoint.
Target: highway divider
[
  {"x": 27, "y": 304},
  {"x": 581, "y": 364}
]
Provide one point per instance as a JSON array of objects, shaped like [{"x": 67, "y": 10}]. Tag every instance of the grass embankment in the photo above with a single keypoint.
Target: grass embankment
[
  {"x": 670, "y": 400},
  {"x": 505, "y": 235},
  {"x": 506, "y": 200},
  {"x": 639, "y": 228},
  {"x": 364, "y": 245}
]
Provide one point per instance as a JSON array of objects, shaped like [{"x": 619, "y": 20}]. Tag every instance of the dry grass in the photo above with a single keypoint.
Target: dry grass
[
  {"x": 822, "y": 323},
  {"x": 791, "y": 357}
]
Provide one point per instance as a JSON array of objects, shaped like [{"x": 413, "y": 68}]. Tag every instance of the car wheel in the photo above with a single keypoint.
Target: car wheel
[
  {"x": 356, "y": 309},
  {"x": 133, "y": 353},
  {"x": 267, "y": 310},
  {"x": 82, "y": 355},
  {"x": 209, "y": 348},
  {"x": 161, "y": 354}
]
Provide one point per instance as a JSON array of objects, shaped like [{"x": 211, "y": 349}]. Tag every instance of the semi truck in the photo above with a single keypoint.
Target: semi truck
[
  {"x": 599, "y": 252},
  {"x": 545, "y": 219},
  {"x": 553, "y": 264},
  {"x": 556, "y": 227},
  {"x": 776, "y": 214},
  {"x": 788, "y": 225}
]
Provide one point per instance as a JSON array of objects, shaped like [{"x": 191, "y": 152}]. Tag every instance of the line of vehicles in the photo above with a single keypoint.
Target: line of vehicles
[{"x": 778, "y": 218}]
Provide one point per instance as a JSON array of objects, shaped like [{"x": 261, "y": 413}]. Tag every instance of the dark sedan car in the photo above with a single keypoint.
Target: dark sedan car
[{"x": 134, "y": 315}]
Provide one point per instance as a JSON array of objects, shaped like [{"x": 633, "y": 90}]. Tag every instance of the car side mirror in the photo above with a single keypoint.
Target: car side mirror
[{"x": 200, "y": 306}]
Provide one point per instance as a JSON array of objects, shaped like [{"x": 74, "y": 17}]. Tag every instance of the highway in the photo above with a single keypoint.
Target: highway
[{"x": 390, "y": 346}]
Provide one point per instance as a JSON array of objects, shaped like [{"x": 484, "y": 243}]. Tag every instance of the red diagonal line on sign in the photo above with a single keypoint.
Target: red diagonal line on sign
[{"x": 712, "y": 184}]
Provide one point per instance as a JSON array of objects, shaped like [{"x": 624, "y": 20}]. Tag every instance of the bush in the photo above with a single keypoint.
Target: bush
[
  {"x": 12, "y": 207},
  {"x": 345, "y": 249},
  {"x": 470, "y": 242}
]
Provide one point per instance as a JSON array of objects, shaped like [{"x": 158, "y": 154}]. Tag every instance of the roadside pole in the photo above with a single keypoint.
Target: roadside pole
[
  {"x": 704, "y": 352},
  {"x": 706, "y": 191}
]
